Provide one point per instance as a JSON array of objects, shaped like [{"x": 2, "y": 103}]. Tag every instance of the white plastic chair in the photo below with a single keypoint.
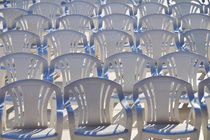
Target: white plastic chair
[
  {"x": 156, "y": 43},
  {"x": 37, "y": 24},
  {"x": 31, "y": 99},
  {"x": 203, "y": 93},
  {"x": 109, "y": 42},
  {"x": 183, "y": 8},
  {"x": 74, "y": 66},
  {"x": 157, "y": 21},
  {"x": 194, "y": 21},
  {"x": 115, "y": 8},
  {"x": 149, "y": 8},
  {"x": 184, "y": 65},
  {"x": 47, "y": 9},
  {"x": 118, "y": 22},
  {"x": 128, "y": 68},
  {"x": 162, "y": 95},
  {"x": 22, "y": 65},
  {"x": 20, "y": 41},
  {"x": 82, "y": 8},
  {"x": 10, "y": 14},
  {"x": 65, "y": 41},
  {"x": 93, "y": 96},
  {"x": 198, "y": 41}
]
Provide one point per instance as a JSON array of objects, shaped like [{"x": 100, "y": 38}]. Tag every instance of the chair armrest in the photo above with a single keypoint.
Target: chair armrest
[
  {"x": 128, "y": 111},
  {"x": 197, "y": 110},
  {"x": 139, "y": 113}
]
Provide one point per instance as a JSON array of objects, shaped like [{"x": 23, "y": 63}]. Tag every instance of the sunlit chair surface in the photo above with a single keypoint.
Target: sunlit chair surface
[
  {"x": 184, "y": 65},
  {"x": 108, "y": 42},
  {"x": 128, "y": 68},
  {"x": 47, "y": 9},
  {"x": 157, "y": 21},
  {"x": 30, "y": 99},
  {"x": 194, "y": 21},
  {"x": 183, "y": 8},
  {"x": 93, "y": 96},
  {"x": 115, "y": 8},
  {"x": 151, "y": 8},
  {"x": 65, "y": 41},
  {"x": 162, "y": 95},
  {"x": 75, "y": 66},
  {"x": 19, "y": 41},
  {"x": 198, "y": 41},
  {"x": 203, "y": 92},
  {"x": 120, "y": 22},
  {"x": 81, "y": 7},
  {"x": 156, "y": 43},
  {"x": 37, "y": 24},
  {"x": 10, "y": 14}
]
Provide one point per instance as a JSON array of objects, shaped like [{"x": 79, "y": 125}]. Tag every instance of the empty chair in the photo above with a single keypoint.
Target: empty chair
[
  {"x": 156, "y": 43},
  {"x": 10, "y": 14},
  {"x": 82, "y": 8},
  {"x": 127, "y": 68},
  {"x": 197, "y": 40},
  {"x": 184, "y": 65},
  {"x": 118, "y": 22},
  {"x": 74, "y": 66},
  {"x": 19, "y": 66},
  {"x": 203, "y": 93},
  {"x": 19, "y": 41},
  {"x": 157, "y": 21},
  {"x": 162, "y": 95},
  {"x": 115, "y": 8},
  {"x": 37, "y": 24},
  {"x": 31, "y": 97},
  {"x": 183, "y": 8},
  {"x": 93, "y": 96},
  {"x": 109, "y": 42},
  {"x": 47, "y": 9},
  {"x": 194, "y": 21},
  {"x": 65, "y": 41},
  {"x": 151, "y": 8}
]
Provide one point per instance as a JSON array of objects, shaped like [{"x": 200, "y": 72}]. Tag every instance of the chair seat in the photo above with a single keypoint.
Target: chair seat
[
  {"x": 25, "y": 134},
  {"x": 169, "y": 129},
  {"x": 95, "y": 131}
]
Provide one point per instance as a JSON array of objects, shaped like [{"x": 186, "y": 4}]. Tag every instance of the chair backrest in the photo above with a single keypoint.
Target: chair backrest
[
  {"x": 197, "y": 40},
  {"x": 59, "y": 2},
  {"x": 93, "y": 97},
  {"x": 162, "y": 95},
  {"x": 24, "y": 4},
  {"x": 195, "y": 21},
  {"x": 82, "y": 8},
  {"x": 31, "y": 97},
  {"x": 65, "y": 41},
  {"x": 157, "y": 21},
  {"x": 183, "y": 8},
  {"x": 10, "y": 14},
  {"x": 172, "y": 2},
  {"x": 95, "y": 2},
  {"x": 130, "y": 2},
  {"x": 19, "y": 41},
  {"x": 21, "y": 66},
  {"x": 34, "y": 23},
  {"x": 75, "y": 22},
  {"x": 75, "y": 66},
  {"x": 156, "y": 43},
  {"x": 129, "y": 67},
  {"x": 184, "y": 65},
  {"x": 115, "y": 8},
  {"x": 109, "y": 42},
  {"x": 151, "y": 8},
  {"x": 47, "y": 9},
  {"x": 118, "y": 22}
]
